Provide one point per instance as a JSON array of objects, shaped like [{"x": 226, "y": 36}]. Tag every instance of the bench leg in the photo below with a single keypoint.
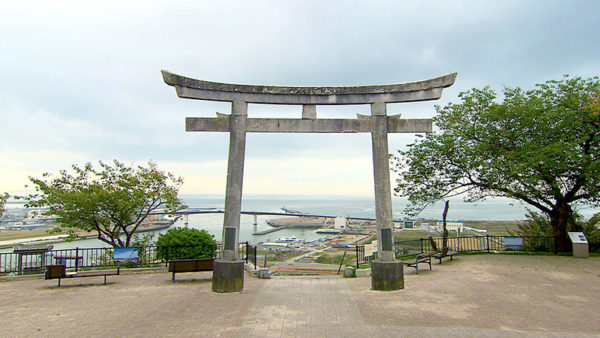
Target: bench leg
[
  {"x": 173, "y": 277},
  {"x": 417, "y": 267},
  {"x": 104, "y": 279},
  {"x": 59, "y": 282}
]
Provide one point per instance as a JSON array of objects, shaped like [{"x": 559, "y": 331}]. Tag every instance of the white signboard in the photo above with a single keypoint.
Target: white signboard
[
  {"x": 578, "y": 238},
  {"x": 370, "y": 249}
]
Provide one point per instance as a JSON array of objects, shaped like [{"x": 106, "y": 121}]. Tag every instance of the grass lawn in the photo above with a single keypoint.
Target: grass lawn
[
  {"x": 405, "y": 235},
  {"x": 7, "y": 235},
  {"x": 499, "y": 228}
]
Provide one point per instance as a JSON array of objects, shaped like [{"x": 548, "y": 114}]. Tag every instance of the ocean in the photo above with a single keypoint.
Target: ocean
[{"x": 492, "y": 209}]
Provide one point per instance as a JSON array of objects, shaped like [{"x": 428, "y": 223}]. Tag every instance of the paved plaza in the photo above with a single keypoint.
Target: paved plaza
[{"x": 482, "y": 295}]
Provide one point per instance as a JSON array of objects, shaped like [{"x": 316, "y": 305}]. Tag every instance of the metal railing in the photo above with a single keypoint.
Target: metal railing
[
  {"x": 487, "y": 243},
  {"x": 34, "y": 262},
  {"x": 251, "y": 253},
  {"x": 361, "y": 257}
]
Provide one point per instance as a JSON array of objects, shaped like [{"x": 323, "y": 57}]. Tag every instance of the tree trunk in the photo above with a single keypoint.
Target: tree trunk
[
  {"x": 434, "y": 246},
  {"x": 445, "y": 233},
  {"x": 559, "y": 219},
  {"x": 128, "y": 237}
]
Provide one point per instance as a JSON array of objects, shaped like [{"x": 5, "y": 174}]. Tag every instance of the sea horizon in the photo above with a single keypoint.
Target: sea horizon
[
  {"x": 492, "y": 209},
  {"x": 496, "y": 209}
]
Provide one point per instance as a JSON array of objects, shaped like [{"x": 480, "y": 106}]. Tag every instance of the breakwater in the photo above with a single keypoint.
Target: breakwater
[{"x": 268, "y": 231}]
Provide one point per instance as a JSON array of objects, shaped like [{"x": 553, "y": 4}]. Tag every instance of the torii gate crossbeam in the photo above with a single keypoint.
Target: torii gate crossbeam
[{"x": 387, "y": 274}]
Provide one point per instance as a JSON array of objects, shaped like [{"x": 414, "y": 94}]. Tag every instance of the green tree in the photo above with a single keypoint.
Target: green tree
[
  {"x": 540, "y": 146},
  {"x": 591, "y": 228},
  {"x": 112, "y": 200},
  {"x": 185, "y": 243},
  {"x": 143, "y": 242},
  {"x": 3, "y": 198},
  {"x": 538, "y": 225},
  {"x": 535, "y": 232}
]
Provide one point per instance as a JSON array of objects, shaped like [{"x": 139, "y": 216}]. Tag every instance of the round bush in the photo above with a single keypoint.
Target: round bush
[{"x": 185, "y": 243}]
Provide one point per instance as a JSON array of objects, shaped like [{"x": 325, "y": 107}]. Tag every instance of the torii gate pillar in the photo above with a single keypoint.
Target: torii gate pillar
[
  {"x": 386, "y": 273},
  {"x": 228, "y": 272}
]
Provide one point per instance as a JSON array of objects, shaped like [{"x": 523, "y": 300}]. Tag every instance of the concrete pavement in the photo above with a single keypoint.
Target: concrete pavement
[{"x": 483, "y": 295}]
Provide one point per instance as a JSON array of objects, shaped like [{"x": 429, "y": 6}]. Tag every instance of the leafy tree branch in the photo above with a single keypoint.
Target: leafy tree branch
[
  {"x": 112, "y": 200},
  {"x": 540, "y": 146}
]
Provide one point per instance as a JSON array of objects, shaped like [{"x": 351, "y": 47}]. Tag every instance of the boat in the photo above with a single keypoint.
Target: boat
[
  {"x": 287, "y": 239},
  {"x": 328, "y": 231},
  {"x": 27, "y": 226},
  {"x": 157, "y": 223},
  {"x": 290, "y": 211}
]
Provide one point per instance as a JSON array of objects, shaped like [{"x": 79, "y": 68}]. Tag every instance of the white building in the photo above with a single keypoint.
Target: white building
[
  {"x": 341, "y": 223},
  {"x": 276, "y": 245},
  {"x": 425, "y": 226},
  {"x": 451, "y": 225}
]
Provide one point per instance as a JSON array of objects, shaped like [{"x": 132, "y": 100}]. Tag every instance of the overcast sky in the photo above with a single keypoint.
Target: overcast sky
[{"x": 80, "y": 80}]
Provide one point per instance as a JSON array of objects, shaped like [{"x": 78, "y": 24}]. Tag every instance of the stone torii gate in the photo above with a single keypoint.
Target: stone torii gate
[{"x": 386, "y": 273}]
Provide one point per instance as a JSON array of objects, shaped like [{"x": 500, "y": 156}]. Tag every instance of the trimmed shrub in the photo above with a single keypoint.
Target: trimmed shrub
[{"x": 185, "y": 243}]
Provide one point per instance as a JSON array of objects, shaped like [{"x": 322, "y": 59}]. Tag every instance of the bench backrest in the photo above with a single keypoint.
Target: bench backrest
[
  {"x": 190, "y": 265},
  {"x": 56, "y": 271}
]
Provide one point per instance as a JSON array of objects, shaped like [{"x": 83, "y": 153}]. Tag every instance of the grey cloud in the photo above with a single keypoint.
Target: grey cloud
[{"x": 97, "y": 66}]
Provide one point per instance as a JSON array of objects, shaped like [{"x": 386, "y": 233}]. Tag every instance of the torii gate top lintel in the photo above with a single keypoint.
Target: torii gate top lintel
[{"x": 391, "y": 93}]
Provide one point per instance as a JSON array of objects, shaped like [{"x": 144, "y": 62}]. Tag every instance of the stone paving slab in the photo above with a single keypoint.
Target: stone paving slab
[
  {"x": 482, "y": 296},
  {"x": 505, "y": 293},
  {"x": 304, "y": 307},
  {"x": 136, "y": 305}
]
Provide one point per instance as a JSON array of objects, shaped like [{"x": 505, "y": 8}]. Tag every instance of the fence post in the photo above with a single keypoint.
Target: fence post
[
  {"x": 356, "y": 257},
  {"x": 167, "y": 256},
  {"x": 487, "y": 237},
  {"x": 76, "y": 259},
  {"x": 255, "y": 252},
  {"x": 421, "y": 239},
  {"x": 265, "y": 265},
  {"x": 247, "y": 252}
]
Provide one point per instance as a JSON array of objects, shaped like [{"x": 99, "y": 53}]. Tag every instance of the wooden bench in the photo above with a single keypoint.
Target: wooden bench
[
  {"x": 190, "y": 265},
  {"x": 439, "y": 255},
  {"x": 421, "y": 258},
  {"x": 59, "y": 271}
]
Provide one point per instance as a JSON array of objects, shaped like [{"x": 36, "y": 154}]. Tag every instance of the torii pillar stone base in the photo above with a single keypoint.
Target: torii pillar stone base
[
  {"x": 387, "y": 276},
  {"x": 228, "y": 276}
]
